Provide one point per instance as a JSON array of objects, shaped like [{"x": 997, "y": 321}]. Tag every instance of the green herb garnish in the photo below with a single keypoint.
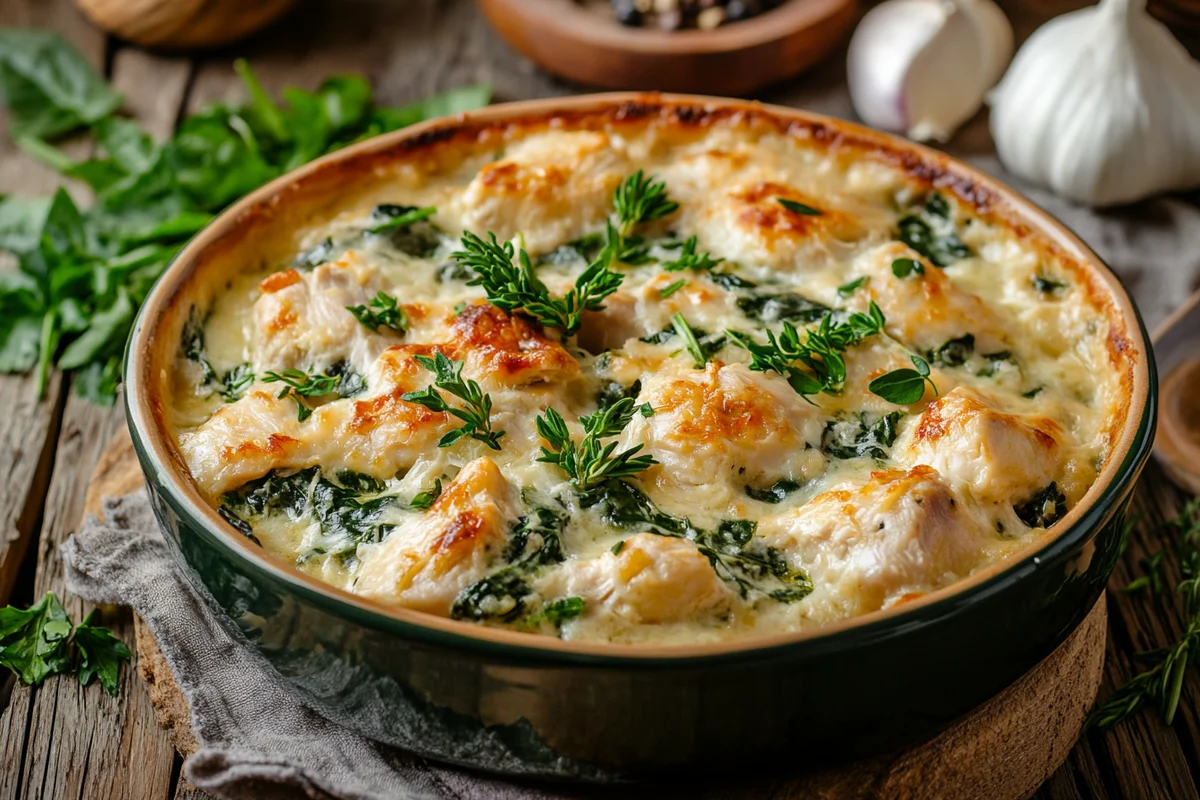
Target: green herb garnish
[
  {"x": 904, "y": 386},
  {"x": 641, "y": 199},
  {"x": 671, "y": 289},
  {"x": 424, "y": 499},
  {"x": 476, "y": 417},
  {"x": 590, "y": 462},
  {"x": 36, "y": 642},
  {"x": 798, "y": 208},
  {"x": 690, "y": 342},
  {"x": 903, "y": 267},
  {"x": 407, "y": 216},
  {"x": 300, "y": 384},
  {"x": 383, "y": 311},
  {"x": 82, "y": 273},
  {"x": 848, "y": 289},
  {"x": 690, "y": 259}
]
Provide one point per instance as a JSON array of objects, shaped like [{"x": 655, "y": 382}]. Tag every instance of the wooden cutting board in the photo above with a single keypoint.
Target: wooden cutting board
[{"x": 1004, "y": 750}]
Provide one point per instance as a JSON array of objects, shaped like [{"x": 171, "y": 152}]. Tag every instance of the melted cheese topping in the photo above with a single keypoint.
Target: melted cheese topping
[{"x": 766, "y": 511}]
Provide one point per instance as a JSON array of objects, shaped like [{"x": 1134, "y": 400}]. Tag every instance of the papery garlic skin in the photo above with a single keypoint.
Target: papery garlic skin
[
  {"x": 1102, "y": 106},
  {"x": 922, "y": 67}
]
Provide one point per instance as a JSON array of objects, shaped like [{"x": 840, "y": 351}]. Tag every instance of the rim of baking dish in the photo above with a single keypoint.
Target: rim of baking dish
[{"x": 164, "y": 466}]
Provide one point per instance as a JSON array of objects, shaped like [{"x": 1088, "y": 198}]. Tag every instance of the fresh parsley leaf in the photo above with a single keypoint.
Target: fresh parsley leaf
[
  {"x": 903, "y": 267},
  {"x": 33, "y": 642},
  {"x": 300, "y": 384},
  {"x": 903, "y": 386},
  {"x": 690, "y": 342},
  {"x": 101, "y": 655},
  {"x": 690, "y": 259},
  {"x": 382, "y": 312},
  {"x": 848, "y": 289},
  {"x": 424, "y": 499},
  {"x": 590, "y": 462},
  {"x": 798, "y": 208},
  {"x": 641, "y": 199},
  {"x": 476, "y": 417}
]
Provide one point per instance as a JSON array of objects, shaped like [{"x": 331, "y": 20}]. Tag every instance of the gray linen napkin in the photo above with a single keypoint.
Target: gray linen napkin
[{"x": 257, "y": 740}]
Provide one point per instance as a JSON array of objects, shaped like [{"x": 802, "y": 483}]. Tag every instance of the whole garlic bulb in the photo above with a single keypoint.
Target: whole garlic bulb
[
  {"x": 922, "y": 67},
  {"x": 1101, "y": 105}
]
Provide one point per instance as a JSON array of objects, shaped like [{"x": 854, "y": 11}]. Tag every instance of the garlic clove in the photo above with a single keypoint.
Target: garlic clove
[
  {"x": 923, "y": 66},
  {"x": 1102, "y": 106}
]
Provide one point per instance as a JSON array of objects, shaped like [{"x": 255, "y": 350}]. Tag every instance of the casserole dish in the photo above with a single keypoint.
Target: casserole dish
[{"x": 514, "y": 703}]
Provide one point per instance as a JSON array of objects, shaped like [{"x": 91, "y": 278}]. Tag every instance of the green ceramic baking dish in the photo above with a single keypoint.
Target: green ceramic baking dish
[{"x": 522, "y": 704}]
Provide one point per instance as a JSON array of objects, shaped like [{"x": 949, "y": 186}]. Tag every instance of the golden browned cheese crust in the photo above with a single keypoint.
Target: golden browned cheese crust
[{"x": 765, "y": 509}]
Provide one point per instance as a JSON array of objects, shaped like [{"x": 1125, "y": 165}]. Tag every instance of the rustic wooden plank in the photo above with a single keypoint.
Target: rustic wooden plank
[{"x": 27, "y": 426}]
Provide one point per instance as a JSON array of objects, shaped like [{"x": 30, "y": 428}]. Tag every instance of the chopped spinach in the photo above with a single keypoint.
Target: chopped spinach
[
  {"x": 235, "y": 382},
  {"x": 504, "y": 594},
  {"x": 613, "y": 391},
  {"x": 854, "y": 437},
  {"x": 455, "y": 270},
  {"x": 994, "y": 361},
  {"x": 424, "y": 500},
  {"x": 708, "y": 344},
  {"x": 930, "y": 231},
  {"x": 1044, "y": 509},
  {"x": 782, "y": 306},
  {"x": 1046, "y": 285},
  {"x": 317, "y": 255},
  {"x": 350, "y": 383},
  {"x": 735, "y": 555},
  {"x": 1032, "y": 393},
  {"x": 407, "y": 228},
  {"x": 730, "y": 281},
  {"x": 954, "y": 353},
  {"x": 563, "y": 610},
  {"x": 191, "y": 344},
  {"x": 777, "y": 492},
  {"x": 660, "y": 337}
]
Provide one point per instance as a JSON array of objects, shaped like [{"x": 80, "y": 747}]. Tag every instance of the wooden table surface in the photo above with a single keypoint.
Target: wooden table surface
[{"x": 61, "y": 741}]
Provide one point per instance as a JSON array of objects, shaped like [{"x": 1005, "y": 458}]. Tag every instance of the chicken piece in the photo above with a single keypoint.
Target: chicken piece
[
  {"x": 551, "y": 187},
  {"x": 377, "y": 433},
  {"x": 744, "y": 221},
  {"x": 426, "y": 561},
  {"x": 652, "y": 580},
  {"x": 507, "y": 350},
  {"x": 992, "y": 455},
  {"x": 869, "y": 546},
  {"x": 724, "y": 426},
  {"x": 300, "y": 319},
  {"x": 925, "y": 311}
]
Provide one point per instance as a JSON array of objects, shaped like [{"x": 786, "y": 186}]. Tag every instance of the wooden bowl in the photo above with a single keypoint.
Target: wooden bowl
[{"x": 569, "y": 40}]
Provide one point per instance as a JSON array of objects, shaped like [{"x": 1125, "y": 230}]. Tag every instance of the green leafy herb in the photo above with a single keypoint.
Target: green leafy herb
[
  {"x": 83, "y": 273},
  {"x": 690, "y": 342},
  {"x": 1161, "y": 684},
  {"x": 848, "y": 289},
  {"x": 671, "y": 289},
  {"x": 590, "y": 461},
  {"x": 690, "y": 259},
  {"x": 855, "y": 437},
  {"x": 903, "y": 267},
  {"x": 903, "y": 386},
  {"x": 300, "y": 384},
  {"x": 1044, "y": 509},
  {"x": 517, "y": 288},
  {"x": 563, "y": 610},
  {"x": 1034, "y": 392},
  {"x": 820, "y": 351},
  {"x": 476, "y": 417},
  {"x": 101, "y": 655},
  {"x": 641, "y": 199},
  {"x": 37, "y": 642},
  {"x": 730, "y": 281},
  {"x": 235, "y": 382},
  {"x": 424, "y": 499},
  {"x": 617, "y": 548},
  {"x": 798, "y": 208},
  {"x": 383, "y": 311}
]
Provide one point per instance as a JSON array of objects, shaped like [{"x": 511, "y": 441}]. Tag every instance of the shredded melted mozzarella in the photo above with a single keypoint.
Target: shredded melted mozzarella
[{"x": 776, "y": 511}]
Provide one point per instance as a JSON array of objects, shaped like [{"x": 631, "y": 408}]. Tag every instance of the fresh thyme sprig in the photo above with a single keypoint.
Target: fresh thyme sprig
[
  {"x": 300, "y": 384},
  {"x": 690, "y": 342},
  {"x": 516, "y": 287},
  {"x": 1161, "y": 684},
  {"x": 641, "y": 199},
  {"x": 690, "y": 259},
  {"x": 383, "y": 311},
  {"x": 820, "y": 351},
  {"x": 476, "y": 417},
  {"x": 589, "y": 462}
]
